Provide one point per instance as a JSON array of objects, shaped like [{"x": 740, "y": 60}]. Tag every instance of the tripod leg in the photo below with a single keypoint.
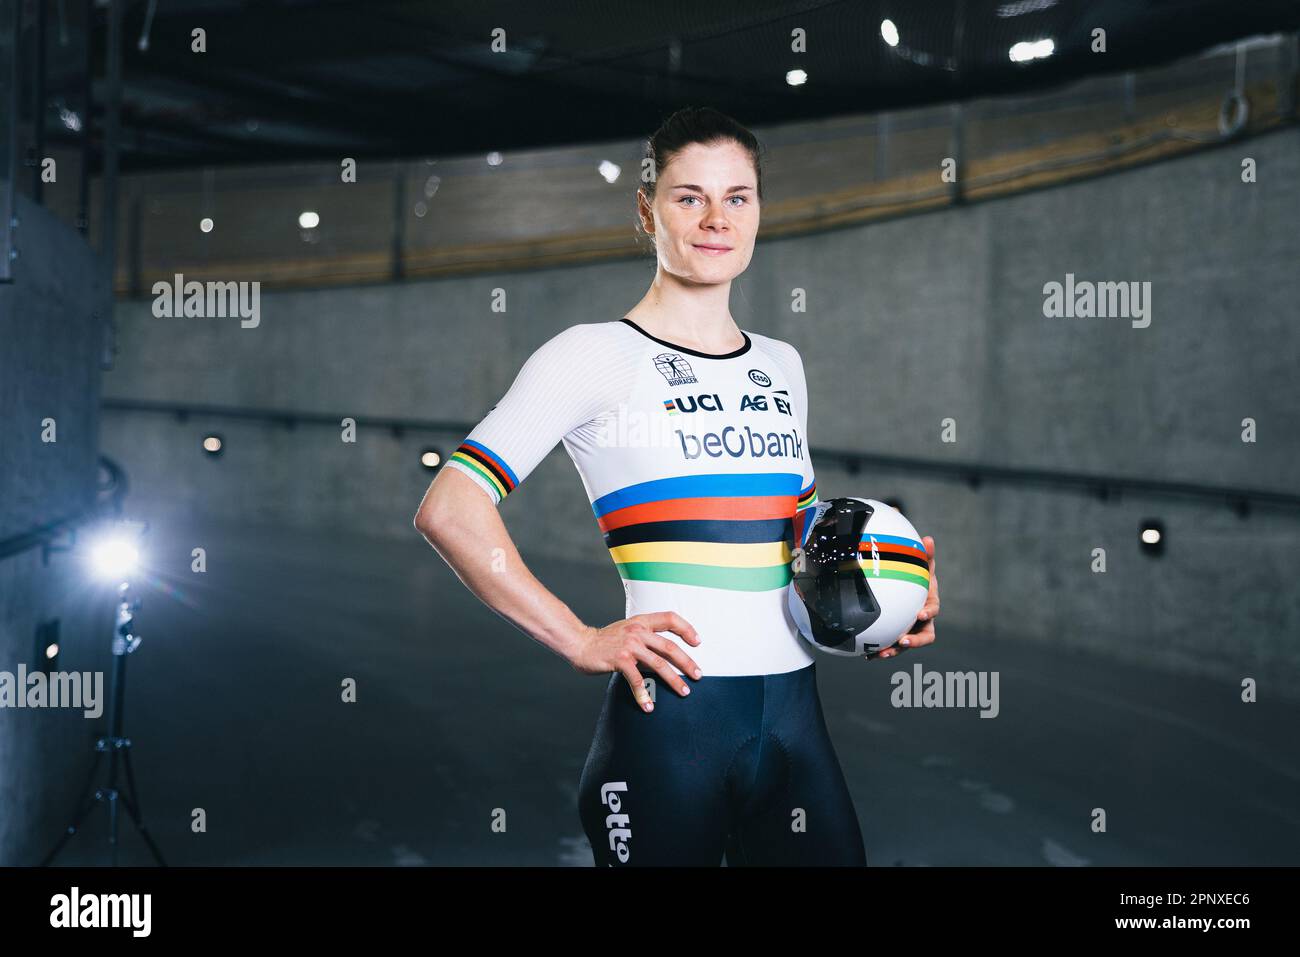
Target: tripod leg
[
  {"x": 133, "y": 808},
  {"x": 86, "y": 803},
  {"x": 112, "y": 826}
]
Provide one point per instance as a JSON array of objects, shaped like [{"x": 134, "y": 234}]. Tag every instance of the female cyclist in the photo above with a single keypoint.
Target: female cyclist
[{"x": 690, "y": 435}]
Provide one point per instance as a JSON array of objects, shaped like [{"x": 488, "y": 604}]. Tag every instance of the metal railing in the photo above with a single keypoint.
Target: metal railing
[
  {"x": 1103, "y": 486},
  {"x": 109, "y": 497}
]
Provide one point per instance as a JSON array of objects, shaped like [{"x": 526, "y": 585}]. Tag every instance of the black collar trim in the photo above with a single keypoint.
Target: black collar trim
[{"x": 692, "y": 352}]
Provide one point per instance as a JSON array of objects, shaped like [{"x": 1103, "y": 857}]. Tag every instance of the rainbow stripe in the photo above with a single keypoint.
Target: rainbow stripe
[
  {"x": 805, "y": 499},
  {"x": 483, "y": 461},
  {"x": 904, "y": 559},
  {"x": 725, "y": 530}
]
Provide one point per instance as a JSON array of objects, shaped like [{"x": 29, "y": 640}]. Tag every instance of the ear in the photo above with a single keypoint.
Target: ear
[{"x": 644, "y": 211}]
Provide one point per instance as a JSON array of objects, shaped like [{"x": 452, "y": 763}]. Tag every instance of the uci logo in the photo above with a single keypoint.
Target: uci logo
[
  {"x": 689, "y": 403},
  {"x": 616, "y": 823},
  {"x": 759, "y": 378}
]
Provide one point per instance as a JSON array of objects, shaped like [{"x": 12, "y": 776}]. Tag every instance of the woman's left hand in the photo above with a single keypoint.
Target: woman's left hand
[{"x": 921, "y": 633}]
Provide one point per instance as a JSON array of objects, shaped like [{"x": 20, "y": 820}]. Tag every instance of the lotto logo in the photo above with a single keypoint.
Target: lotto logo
[{"x": 617, "y": 824}]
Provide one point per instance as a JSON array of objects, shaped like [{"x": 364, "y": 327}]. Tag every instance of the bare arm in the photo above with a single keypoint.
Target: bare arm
[{"x": 464, "y": 526}]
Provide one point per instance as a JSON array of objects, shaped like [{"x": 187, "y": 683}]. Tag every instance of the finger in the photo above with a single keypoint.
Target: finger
[
  {"x": 676, "y": 654},
  {"x": 669, "y": 621},
  {"x": 637, "y": 683},
  {"x": 660, "y": 666},
  {"x": 918, "y": 637},
  {"x": 931, "y": 606}
]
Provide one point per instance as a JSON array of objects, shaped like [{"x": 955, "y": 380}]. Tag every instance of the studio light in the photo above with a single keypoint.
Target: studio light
[
  {"x": 213, "y": 444},
  {"x": 796, "y": 78},
  {"x": 308, "y": 219},
  {"x": 205, "y": 224},
  {"x": 112, "y": 552},
  {"x": 1152, "y": 537},
  {"x": 114, "y": 557},
  {"x": 609, "y": 171},
  {"x": 430, "y": 458},
  {"x": 1027, "y": 50},
  {"x": 889, "y": 32},
  {"x": 47, "y": 645}
]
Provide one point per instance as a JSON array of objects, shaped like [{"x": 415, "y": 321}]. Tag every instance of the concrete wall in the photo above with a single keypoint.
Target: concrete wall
[
  {"x": 49, "y": 369},
  {"x": 908, "y": 323}
]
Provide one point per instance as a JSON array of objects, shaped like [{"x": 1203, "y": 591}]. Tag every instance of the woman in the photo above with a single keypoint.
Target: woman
[{"x": 690, "y": 435}]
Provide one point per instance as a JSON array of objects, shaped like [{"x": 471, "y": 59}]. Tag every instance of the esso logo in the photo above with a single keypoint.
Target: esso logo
[{"x": 759, "y": 378}]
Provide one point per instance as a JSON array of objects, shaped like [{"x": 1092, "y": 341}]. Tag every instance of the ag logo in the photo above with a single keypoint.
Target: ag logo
[
  {"x": 759, "y": 378},
  {"x": 674, "y": 368}
]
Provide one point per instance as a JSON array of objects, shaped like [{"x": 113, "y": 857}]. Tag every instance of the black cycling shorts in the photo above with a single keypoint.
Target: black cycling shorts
[{"x": 742, "y": 766}]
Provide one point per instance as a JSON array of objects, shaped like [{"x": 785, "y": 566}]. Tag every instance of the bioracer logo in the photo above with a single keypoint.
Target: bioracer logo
[
  {"x": 674, "y": 368},
  {"x": 617, "y": 824}
]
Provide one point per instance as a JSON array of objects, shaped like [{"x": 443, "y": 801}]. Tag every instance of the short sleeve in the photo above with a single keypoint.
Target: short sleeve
[
  {"x": 552, "y": 395},
  {"x": 808, "y": 483}
]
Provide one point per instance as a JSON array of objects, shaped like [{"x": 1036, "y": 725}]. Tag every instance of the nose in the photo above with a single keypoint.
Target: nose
[{"x": 715, "y": 219}]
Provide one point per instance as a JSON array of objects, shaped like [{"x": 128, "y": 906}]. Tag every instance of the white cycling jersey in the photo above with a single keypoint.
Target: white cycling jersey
[{"x": 696, "y": 467}]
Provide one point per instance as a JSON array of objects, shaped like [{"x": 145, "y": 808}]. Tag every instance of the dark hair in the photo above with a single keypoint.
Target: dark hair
[{"x": 703, "y": 125}]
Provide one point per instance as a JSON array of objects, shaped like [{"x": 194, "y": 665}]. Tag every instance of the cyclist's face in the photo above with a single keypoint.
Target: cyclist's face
[{"x": 705, "y": 213}]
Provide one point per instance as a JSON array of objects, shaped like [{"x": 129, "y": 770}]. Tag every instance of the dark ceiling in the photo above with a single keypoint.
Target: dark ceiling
[{"x": 300, "y": 79}]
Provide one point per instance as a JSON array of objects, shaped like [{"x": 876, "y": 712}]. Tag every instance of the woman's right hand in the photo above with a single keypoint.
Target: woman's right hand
[{"x": 621, "y": 645}]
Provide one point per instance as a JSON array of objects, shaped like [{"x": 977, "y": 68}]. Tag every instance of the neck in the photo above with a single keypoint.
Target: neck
[{"x": 694, "y": 314}]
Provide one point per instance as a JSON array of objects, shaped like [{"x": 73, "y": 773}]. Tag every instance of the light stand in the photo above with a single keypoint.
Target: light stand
[{"x": 116, "y": 746}]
